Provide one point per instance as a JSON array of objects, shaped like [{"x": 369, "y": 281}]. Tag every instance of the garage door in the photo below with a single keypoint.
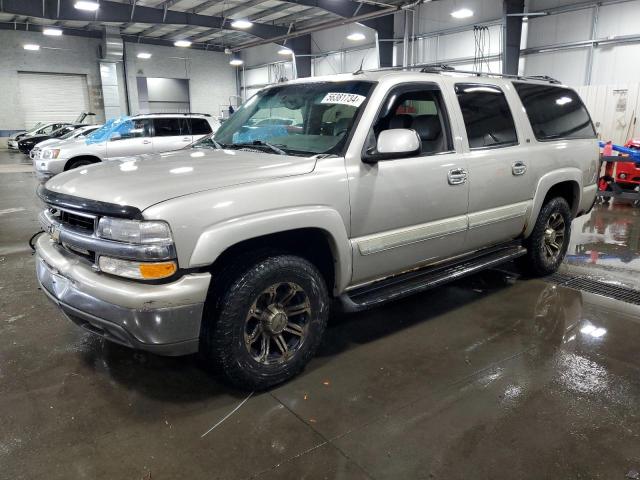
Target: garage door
[{"x": 51, "y": 98}]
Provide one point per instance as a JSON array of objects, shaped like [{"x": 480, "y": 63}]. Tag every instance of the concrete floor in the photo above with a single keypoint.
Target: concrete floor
[{"x": 492, "y": 377}]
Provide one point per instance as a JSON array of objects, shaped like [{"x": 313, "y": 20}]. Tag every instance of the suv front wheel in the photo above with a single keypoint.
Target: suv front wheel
[
  {"x": 267, "y": 322},
  {"x": 549, "y": 240}
]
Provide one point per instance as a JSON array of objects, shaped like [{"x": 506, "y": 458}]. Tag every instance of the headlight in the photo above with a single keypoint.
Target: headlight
[
  {"x": 134, "y": 231},
  {"x": 50, "y": 154},
  {"x": 137, "y": 270}
]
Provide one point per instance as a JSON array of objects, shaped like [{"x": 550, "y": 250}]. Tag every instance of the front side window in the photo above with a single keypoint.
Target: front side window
[
  {"x": 555, "y": 112},
  {"x": 419, "y": 108},
  {"x": 170, "y": 127},
  {"x": 137, "y": 128},
  {"x": 299, "y": 119},
  {"x": 486, "y": 114}
]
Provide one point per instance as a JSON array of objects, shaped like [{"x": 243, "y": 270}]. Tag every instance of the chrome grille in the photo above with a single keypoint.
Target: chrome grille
[{"x": 75, "y": 220}]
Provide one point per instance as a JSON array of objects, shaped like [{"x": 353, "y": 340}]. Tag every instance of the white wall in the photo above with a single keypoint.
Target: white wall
[
  {"x": 211, "y": 79},
  {"x": 610, "y": 64},
  {"x": 66, "y": 54}
]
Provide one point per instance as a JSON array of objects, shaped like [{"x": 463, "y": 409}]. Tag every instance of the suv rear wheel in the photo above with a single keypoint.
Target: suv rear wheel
[
  {"x": 549, "y": 240},
  {"x": 267, "y": 323}
]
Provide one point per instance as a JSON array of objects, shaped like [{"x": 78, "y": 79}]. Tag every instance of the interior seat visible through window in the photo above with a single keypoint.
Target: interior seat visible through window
[
  {"x": 429, "y": 130},
  {"x": 419, "y": 108}
]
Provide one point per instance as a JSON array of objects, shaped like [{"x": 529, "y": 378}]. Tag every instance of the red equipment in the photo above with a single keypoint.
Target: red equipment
[{"x": 625, "y": 174}]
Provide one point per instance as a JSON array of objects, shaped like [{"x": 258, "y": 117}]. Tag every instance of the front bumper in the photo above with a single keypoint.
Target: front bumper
[
  {"x": 160, "y": 318},
  {"x": 12, "y": 144}
]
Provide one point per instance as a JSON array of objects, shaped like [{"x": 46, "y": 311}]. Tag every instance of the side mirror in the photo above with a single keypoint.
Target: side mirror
[
  {"x": 394, "y": 143},
  {"x": 115, "y": 136}
]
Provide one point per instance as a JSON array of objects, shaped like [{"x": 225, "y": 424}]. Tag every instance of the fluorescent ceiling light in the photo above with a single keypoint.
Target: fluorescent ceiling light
[
  {"x": 236, "y": 62},
  {"x": 285, "y": 51},
  {"x": 144, "y": 55},
  {"x": 54, "y": 32},
  {"x": 87, "y": 5},
  {"x": 356, "y": 36},
  {"x": 241, "y": 24},
  {"x": 31, "y": 46},
  {"x": 182, "y": 43},
  {"x": 462, "y": 13}
]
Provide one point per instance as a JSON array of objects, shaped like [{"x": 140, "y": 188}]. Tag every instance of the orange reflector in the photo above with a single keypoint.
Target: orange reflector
[{"x": 150, "y": 271}]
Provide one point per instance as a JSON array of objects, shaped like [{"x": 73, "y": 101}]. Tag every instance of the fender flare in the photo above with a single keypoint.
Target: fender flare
[
  {"x": 219, "y": 237},
  {"x": 546, "y": 182}
]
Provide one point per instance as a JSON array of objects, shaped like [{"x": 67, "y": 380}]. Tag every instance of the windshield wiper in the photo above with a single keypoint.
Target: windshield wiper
[{"x": 261, "y": 143}]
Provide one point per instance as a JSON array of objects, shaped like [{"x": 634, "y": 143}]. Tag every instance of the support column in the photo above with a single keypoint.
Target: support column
[
  {"x": 512, "y": 35},
  {"x": 384, "y": 27},
  {"x": 301, "y": 47}
]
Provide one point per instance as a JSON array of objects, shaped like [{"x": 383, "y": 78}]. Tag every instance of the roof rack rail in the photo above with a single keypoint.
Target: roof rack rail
[
  {"x": 176, "y": 113},
  {"x": 445, "y": 68}
]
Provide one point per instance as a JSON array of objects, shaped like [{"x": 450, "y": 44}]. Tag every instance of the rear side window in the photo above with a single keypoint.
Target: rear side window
[
  {"x": 170, "y": 127},
  {"x": 486, "y": 115},
  {"x": 199, "y": 126},
  {"x": 555, "y": 112}
]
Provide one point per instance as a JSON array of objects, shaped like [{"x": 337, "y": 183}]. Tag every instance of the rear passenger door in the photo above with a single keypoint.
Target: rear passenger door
[
  {"x": 500, "y": 185},
  {"x": 171, "y": 133}
]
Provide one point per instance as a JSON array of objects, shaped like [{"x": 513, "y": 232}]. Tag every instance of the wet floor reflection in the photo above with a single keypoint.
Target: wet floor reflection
[{"x": 606, "y": 243}]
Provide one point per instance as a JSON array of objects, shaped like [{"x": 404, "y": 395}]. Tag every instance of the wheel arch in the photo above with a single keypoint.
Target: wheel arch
[
  {"x": 317, "y": 234},
  {"x": 91, "y": 158},
  {"x": 565, "y": 183}
]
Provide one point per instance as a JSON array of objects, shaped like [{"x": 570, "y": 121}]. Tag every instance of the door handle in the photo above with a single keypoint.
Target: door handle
[
  {"x": 457, "y": 176},
  {"x": 146, "y": 142},
  {"x": 518, "y": 168},
  {"x": 186, "y": 139}
]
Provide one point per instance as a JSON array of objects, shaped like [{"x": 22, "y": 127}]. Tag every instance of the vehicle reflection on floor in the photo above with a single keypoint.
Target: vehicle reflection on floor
[{"x": 606, "y": 244}]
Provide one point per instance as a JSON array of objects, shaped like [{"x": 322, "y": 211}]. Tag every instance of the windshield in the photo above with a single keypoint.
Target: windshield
[
  {"x": 297, "y": 119},
  {"x": 62, "y": 131},
  {"x": 35, "y": 127},
  {"x": 68, "y": 134}
]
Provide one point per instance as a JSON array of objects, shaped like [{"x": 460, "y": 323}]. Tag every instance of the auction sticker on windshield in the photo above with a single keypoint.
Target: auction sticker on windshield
[{"x": 352, "y": 99}]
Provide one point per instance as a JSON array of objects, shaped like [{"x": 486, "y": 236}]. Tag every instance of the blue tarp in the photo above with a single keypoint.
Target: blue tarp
[{"x": 120, "y": 125}]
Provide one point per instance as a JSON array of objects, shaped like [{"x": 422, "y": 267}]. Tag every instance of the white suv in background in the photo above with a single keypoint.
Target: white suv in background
[{"x": 151, "y": 133}]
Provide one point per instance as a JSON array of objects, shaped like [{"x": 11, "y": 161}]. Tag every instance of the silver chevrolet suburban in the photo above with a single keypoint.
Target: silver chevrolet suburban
[{"x": 363, "y": 188}]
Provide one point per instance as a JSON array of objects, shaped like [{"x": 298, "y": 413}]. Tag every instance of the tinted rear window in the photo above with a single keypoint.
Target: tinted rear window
[
  {"x": 486, "y": 115},
  {"x": 555, "y": 112}
]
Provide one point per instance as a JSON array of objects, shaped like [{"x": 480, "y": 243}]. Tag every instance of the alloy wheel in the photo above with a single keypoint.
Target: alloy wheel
[
  {"x": 277, "y": 323},
  {"x": 553, "y": 236}
]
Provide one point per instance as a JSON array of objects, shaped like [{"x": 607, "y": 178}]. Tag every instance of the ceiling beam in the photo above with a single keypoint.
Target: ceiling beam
[
  {"x": 97, "y": 34},
  {"x": 110, "y": 11}
]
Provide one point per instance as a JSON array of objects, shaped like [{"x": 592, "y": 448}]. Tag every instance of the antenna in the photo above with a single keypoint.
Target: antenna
[{"x": 359, "y": 70}]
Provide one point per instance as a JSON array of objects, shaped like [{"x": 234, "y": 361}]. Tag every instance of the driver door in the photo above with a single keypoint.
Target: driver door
[{"x": 409, "y": 212}]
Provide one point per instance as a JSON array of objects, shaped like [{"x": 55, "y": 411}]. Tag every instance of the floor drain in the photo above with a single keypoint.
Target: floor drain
[{"x": 616, "y": 292}]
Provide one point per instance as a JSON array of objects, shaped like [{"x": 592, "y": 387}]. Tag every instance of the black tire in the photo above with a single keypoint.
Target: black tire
[
  {"x": 541, "y": 258},
  {"x": 81, "y": 162},
  {"x": 230, "y": 324}
]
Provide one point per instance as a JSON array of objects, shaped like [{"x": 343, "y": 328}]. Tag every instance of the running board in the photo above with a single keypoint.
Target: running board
[{"x": 417, "y": 281}]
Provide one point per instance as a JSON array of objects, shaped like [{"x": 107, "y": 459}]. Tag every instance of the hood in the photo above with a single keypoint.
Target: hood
[
  {"x": 48, "y": 143},
  {"x": 145, "y": 181},
  {"x": 34, "y": 138},
  {"x": 17, "y": 135}
]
